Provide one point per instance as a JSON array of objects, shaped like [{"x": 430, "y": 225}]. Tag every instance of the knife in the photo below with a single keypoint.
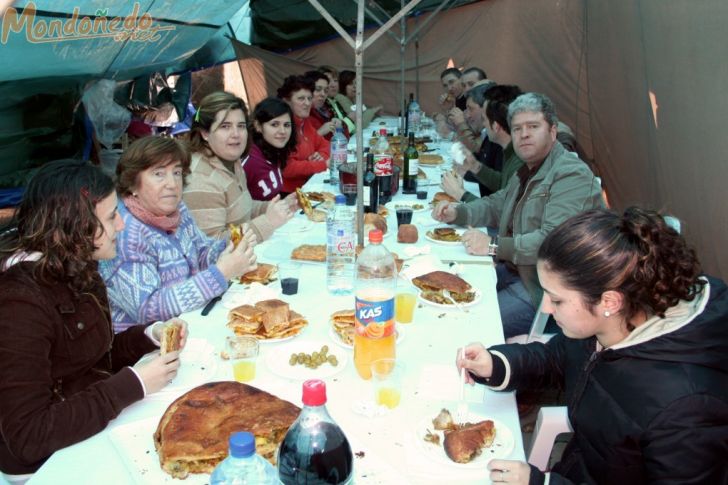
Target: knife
[{"x": 210, "y": 305}]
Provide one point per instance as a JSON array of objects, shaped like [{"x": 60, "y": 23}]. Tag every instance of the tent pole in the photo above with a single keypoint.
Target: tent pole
[
  {"x": 359, "y": 66},
  {"x": 402, "y": 54}
]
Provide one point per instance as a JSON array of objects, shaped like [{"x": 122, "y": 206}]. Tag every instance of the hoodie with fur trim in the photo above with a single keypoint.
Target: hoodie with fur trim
[{"x": 653, "y": 408}]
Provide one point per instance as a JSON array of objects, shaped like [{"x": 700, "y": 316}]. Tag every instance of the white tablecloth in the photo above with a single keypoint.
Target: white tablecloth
[{"x": 124, "y": 453}]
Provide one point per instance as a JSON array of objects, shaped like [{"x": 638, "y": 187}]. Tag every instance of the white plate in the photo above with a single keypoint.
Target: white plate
[
  {"x": 502, "y": 445},
  {"x": 445, "y": 243},
  {"x": 277, "y": 360},
  {"x": 476, "y": 300},
  {"x": 198, "y": 365},
  {"x": 337, "y": 340},
  {"x": 135, "y": 446},
  {"x": 407, "y": 204}
]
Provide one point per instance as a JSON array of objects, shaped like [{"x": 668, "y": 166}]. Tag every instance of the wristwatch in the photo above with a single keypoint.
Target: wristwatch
[{"x": 493, "y": 246}]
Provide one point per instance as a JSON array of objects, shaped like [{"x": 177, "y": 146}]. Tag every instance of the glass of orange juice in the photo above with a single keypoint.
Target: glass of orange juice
[
  {"x": 387, "y": 381},
  {"x": 404, "y": 305},
  {"x": 243, "y": 352}
]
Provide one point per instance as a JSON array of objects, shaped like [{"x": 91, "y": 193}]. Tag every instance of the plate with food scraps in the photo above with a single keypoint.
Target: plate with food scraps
[
  {"x": 476, "y": 299},
  {"x": 432, "y": 235},
  {"x": 416, "y": 206},
  {"x": 432, "y": 442},
  {"x": 281, "y": 361},
  {"x": 340, "y": 342}
]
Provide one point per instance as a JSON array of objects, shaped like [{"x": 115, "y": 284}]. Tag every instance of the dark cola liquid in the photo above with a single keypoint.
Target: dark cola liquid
[{"x": 319, "y": 454}]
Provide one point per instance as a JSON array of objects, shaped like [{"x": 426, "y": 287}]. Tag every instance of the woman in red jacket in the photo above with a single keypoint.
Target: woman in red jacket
[
  {"x": 312, "y": 151},
  {"x": 322, "y": 115}
]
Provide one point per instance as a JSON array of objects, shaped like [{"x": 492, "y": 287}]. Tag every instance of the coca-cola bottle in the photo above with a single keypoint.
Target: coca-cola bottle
[
  {"x": 315, "y": 450},
  {"x": 383, "y": 158}
]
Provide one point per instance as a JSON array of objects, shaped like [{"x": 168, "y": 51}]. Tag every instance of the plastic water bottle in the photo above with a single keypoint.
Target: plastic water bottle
[
  {"x": 243, "y": 466},
  {"x": 338, "y": 155},
  {"x": 340, "y": 248},
  {"x": 414, "y": 116},
  {"x": 376, "y": 282},
  {"x": 315, "y": 450}
]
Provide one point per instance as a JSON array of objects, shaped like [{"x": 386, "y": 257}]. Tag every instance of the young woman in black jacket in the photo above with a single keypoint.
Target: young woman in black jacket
[{"x": 643, "y": 359}]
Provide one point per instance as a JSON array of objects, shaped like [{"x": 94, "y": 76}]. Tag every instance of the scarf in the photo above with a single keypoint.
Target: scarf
[{"x": 168, "y": 223}]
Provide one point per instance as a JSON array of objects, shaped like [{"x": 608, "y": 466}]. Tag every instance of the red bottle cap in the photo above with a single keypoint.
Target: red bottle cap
[
  {"x": 375, "y": 236},
  {"x": 314, "y": 392}
]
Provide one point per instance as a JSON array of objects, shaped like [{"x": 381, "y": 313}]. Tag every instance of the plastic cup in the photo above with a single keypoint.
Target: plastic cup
[
  {"x": 404, "y": 306},
  {"x": 404, "y": 216},
  {"x": 289, "y": 273},
  {"x": 387, "y": 380},
  {"x": 243, "y": 353}
]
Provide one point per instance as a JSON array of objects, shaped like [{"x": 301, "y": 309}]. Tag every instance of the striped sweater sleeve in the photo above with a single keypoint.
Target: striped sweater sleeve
[{"x": 150, "y": 280}]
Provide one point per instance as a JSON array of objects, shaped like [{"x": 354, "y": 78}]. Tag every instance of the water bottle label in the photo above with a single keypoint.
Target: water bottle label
[{"x": 374, "y": 319}]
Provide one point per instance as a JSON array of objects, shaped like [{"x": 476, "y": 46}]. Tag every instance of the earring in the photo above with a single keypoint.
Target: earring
[
  {"x": 134, "y": 194},
  {"x": 607, "y": 314}
]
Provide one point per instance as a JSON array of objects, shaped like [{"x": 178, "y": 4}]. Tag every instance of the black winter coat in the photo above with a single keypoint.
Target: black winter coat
[{"x": 648, "y": 410}]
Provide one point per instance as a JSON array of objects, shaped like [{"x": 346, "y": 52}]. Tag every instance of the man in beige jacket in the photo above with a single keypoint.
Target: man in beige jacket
[{"x": 552, "y": 186}]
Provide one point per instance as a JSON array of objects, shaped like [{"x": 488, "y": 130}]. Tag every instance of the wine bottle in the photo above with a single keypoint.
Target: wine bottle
[
  {"x": 371, "y": 186},
  {"x": 411, "y": 164}
]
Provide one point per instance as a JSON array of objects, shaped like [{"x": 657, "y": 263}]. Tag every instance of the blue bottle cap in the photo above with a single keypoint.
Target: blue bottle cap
[
  {"x": 340, "y": 199},
  {"x": 242, "y": 444}
]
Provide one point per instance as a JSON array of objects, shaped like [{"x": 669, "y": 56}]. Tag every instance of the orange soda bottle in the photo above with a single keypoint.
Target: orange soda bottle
[{"x": 376, "y": 280}]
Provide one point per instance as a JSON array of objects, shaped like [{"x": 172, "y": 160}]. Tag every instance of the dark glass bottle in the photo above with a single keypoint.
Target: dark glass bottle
[
  {"x": 406, "y": 112},
  {"x": 371, "y": 186},
  {"x": 411, "y": 164},
  {"x": 315, "y": 450}
]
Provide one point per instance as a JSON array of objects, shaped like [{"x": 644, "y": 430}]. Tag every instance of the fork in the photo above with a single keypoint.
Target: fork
[
  {"x": 446, "y": 294},
  {"x": 461, "y": 415}
]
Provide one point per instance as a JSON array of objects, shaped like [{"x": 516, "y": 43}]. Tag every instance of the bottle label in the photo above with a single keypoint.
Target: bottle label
[
  {"x": 338, "y": 156},
  {"x": 382, "y": 165},
  {"x": 367, "y": 194},
  {"x": 414, "y": 164},
  {"x": 341, "y": 241},
  {"x": 374, "y": 319}
]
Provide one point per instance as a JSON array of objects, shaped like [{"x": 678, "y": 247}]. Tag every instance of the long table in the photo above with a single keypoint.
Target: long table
[{"x": 389, "y": 445}]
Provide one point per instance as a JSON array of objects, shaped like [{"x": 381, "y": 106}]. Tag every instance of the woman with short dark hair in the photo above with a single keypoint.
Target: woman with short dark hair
[
  {"x": 642, "y": 359},
  {"x": 64, "y": 375},
  {"x": 165, "y": 265},
  {"x": 312, "y": 152},
  {"x": 347, "y": 98}
]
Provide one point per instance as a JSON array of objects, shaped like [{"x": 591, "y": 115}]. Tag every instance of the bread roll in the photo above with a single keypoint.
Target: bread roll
[{"x": 407, "y": 233}]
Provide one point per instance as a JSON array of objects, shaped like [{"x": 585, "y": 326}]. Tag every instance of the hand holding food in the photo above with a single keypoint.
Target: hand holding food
[
  {"x": 476, "y": 359},
  {"x": 476, "y": 242},
  {"x": 456, "y": 116},
  {"x": 444, "y": 211},
  {"x": 278, "y": 211},
  {"x": 235, "y": 261},
  {"x": 171, "y": 335},
  {"x": 447, "y": 101},
  {"x": 452, "y": 184},
  {"x": 159, "y": 371}
]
